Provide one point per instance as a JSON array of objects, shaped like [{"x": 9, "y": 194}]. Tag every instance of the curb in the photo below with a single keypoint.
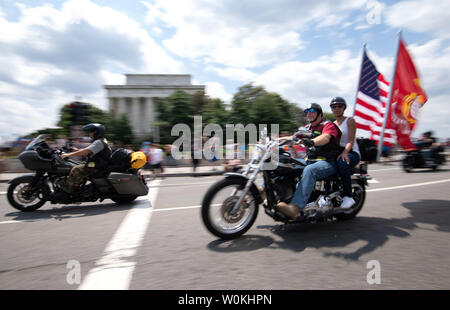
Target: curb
[
  {"x": 183, "y": 174},
  {"x": 148, "y": 176}
]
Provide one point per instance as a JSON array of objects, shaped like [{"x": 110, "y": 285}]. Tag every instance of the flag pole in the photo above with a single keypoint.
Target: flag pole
[
  {"x": 388, "y": 103},
  {"x": 359, "y": 79}
]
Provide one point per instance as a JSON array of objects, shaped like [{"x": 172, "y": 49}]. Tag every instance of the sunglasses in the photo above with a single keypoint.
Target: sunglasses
[
  {"x": 312, "y": 110},
  {"x": 339, "y": 105}
]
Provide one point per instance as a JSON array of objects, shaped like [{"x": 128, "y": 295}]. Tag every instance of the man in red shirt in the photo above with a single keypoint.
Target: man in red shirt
[{"x": 320, "y": 162}]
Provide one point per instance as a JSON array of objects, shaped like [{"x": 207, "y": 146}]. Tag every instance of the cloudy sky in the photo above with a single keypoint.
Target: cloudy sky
[{"x": 54, "y": 51}]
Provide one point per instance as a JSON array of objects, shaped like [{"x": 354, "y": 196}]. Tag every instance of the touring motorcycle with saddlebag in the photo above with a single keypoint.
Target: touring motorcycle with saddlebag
[{"x": 121, "y": 181}]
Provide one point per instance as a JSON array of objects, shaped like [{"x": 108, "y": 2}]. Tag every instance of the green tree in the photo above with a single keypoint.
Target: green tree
[
  {"x": 253, "y": 104},
  {"x": 215, "y": 112},
  {"x": 329, "y": 116},
  {"x": 117, "y": 129},
  {"x": 181, "y": 108},
  {"x": 242, "y": 102},
  {"x": 198, "y": 101}
]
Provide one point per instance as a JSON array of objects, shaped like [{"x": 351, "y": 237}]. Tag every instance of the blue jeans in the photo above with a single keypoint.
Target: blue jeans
[
  {"x": 313, "y": 172},
  {"x": 344, "y": 172}
]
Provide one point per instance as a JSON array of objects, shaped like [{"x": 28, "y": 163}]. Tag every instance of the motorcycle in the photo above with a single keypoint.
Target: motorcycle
[
  {"x": 230, "y": 206},
  {"x": 32, "y": 191},
  {"x": 416, "y": 159}
]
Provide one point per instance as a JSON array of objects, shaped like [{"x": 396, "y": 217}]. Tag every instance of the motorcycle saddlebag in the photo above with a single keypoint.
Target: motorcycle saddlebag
[{"x": 128, "y": 184}]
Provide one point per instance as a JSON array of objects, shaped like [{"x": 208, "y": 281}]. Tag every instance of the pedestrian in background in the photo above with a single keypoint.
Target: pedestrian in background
[{"x": 156, "y": 159}]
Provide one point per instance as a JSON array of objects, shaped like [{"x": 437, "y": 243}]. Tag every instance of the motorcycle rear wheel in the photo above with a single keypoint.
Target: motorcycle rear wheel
[
  {"x": 124, "y": 199},
  {"x": 19, "y": 199},
  {"x": 223, "y": 223},
  {"x": 359, "y": 195}
]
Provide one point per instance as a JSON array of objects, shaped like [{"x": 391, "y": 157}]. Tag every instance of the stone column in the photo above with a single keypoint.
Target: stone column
[
  {"x": 142, "y": 115},
  {"x": 121, "y": 106},
  {"x": 134, "y": 116},
  {"x": 149, "y": 115},
  {"x": 111, "y": 105}
]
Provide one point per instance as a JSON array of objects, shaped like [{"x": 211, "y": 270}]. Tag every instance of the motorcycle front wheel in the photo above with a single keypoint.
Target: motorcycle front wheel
[
  {"x": 407, "y": 167},
  {"x": 217, "y": 208},
  {"x": 22, "y": 197}
]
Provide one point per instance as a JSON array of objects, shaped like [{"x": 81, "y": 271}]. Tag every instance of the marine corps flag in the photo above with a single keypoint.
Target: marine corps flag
[{"x": 407, "y": 98}]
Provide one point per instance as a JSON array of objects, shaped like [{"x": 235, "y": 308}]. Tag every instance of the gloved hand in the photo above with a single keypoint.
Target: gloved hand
[{"x": 308, "y": 142}]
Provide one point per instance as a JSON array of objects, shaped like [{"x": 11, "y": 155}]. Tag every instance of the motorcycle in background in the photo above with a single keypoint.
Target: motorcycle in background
[{"x": 418, "y": 159}]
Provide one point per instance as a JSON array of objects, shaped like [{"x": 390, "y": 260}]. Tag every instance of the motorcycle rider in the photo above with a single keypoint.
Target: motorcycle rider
[
  {"x": 98, "y": 152},
  {"x": 425, "y": 144},
  {"x": 350, "y": 155},
  {"x": 326, "y": 143}
]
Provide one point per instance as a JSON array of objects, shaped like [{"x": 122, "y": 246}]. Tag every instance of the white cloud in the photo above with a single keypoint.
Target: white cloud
[
  {"x": 314, "y": 81},
  {"x": 51, "y": 55},
  {"x": 421, "y": 16},
  {"x": 238, "y": 47},
  {"x": 216, "y": 90},
  {"x": 246, "y": 34},
  {"x": 236, "y": 74}
]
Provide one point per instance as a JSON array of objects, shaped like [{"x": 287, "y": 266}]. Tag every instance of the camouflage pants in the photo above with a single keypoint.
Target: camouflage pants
[{"x": 77, "y": 175}]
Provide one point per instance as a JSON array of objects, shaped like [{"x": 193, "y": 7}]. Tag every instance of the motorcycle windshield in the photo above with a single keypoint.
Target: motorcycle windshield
[{"x": 35, "y": 141}]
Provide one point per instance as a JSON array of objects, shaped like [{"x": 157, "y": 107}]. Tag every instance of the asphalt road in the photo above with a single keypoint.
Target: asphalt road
[{"x": 400, "y": 240}]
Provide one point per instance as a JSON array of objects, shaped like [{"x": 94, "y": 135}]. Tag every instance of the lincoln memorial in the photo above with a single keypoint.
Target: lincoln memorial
[{"x": 135, "y": 98}]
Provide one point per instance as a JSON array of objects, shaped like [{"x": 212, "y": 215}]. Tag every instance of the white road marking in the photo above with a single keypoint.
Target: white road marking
[
  {"x": 177, "y": 208},
  {"x": 198, "y": 206},
  {"x": 182, "y": 184},
  {"x": 406, "y": 186},
  {"x": 115, "y": 269},
  {"x": 21, "y": 221},
  {"x": 387, "y": 169},
  {"x": 373, "y": 181}
]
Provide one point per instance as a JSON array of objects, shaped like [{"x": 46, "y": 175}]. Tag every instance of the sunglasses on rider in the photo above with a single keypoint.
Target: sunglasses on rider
[
  {"x": 312, "y": 110},
  {"x": 337, "y": 105}
]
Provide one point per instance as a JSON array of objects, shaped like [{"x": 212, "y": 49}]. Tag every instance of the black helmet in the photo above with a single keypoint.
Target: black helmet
[
  {"x": 338, "y": 100},
  {"x": 97, "y": 129},
  {"x": 315, "y": 106}
]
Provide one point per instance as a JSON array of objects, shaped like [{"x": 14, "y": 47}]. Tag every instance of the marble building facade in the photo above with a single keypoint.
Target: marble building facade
[{"x": 135, "y": 98}]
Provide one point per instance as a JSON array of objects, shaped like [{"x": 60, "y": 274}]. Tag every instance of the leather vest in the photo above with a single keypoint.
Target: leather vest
[
  {"x": 329, "y": 151},
  {"x": 103, "y": 158}
]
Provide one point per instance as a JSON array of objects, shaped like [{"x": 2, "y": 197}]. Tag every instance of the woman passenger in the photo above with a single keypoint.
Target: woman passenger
[{"x": 350, "y": 155}]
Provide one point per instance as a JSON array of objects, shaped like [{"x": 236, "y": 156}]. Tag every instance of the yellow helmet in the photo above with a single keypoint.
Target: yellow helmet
[{"x": 138, "y": 160}]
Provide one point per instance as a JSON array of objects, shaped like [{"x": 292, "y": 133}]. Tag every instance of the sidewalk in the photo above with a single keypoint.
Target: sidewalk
[
  {"x": 168, "y": 172},
  {"x": 182, "y": 171}
]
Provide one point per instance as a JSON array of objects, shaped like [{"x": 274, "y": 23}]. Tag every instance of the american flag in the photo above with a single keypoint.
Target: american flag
[{"x": 371, "y": 103}]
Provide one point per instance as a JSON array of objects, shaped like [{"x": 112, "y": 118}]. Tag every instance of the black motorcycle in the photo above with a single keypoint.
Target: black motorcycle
[
  {"x": 231, "y": 205},
  {"x": 416, "y": 159},
  {"x": 30, "y": 192}
]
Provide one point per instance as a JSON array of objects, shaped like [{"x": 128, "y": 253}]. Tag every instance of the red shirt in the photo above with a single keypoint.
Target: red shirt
[{"x": 328, "y": 128}]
